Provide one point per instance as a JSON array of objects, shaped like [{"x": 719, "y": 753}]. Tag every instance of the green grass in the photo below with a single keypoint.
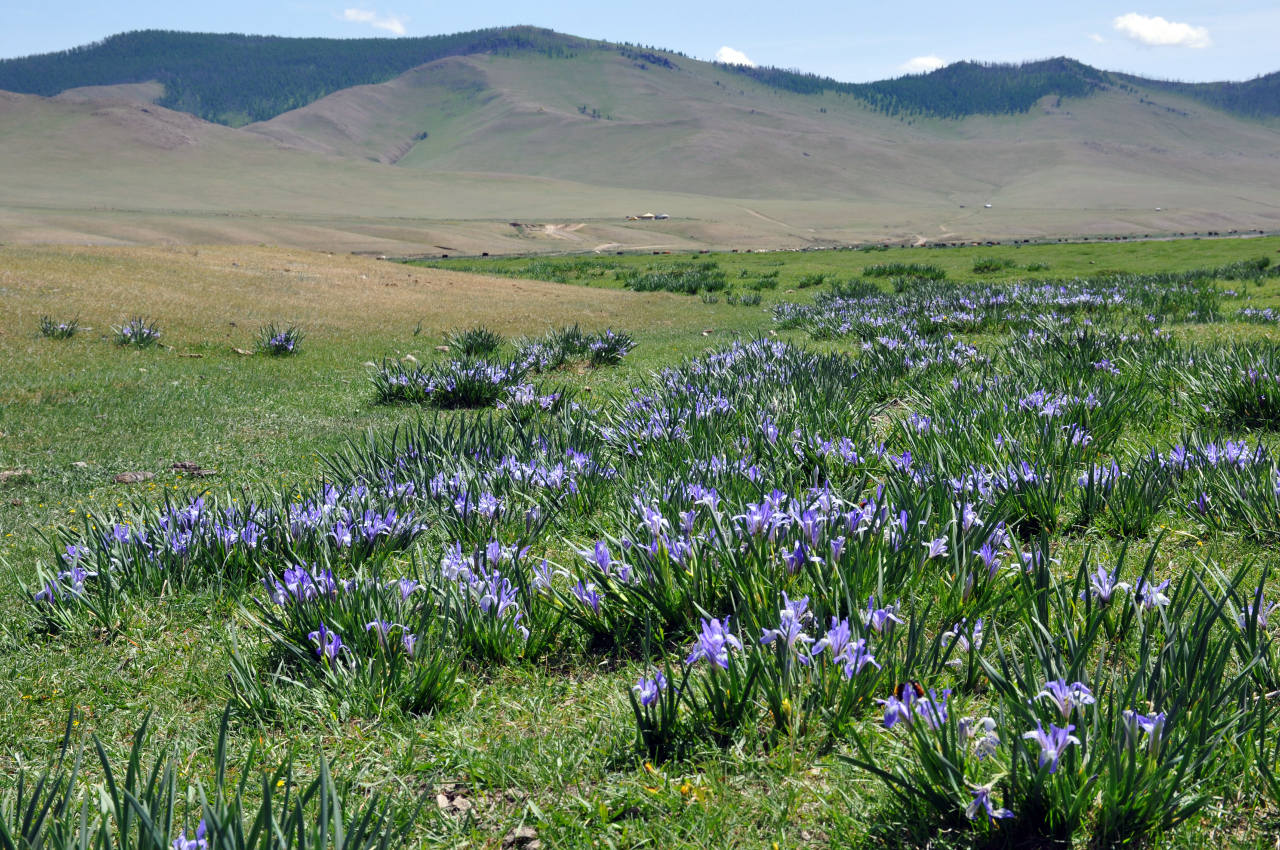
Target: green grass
[
  {"x": 548, "y": 744},
  {"x": 1068, "y": 260}
]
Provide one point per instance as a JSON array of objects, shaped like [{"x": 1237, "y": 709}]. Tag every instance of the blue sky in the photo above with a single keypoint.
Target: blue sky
[{"x": 848, "y": 39}]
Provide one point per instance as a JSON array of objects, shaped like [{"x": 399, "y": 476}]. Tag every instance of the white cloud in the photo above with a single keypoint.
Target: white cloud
[
  {"x": 1157, "y": 32},
  {"x": 729, "y": 56},
  {"x": 1095, "y": 38},
  {"x": 921, "y": 64},
  {"x": 390, "y": 23}
]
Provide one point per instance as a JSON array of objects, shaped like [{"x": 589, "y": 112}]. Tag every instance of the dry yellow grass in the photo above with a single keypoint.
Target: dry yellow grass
[{"x": 193, "y": 292}]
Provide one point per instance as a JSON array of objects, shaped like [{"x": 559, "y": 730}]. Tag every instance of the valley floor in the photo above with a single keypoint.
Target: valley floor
[{"x": 547, "y": 741}]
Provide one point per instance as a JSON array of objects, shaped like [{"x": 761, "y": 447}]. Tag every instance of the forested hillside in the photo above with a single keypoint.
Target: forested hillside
[
  {"x": 975, "y": 88},
  {"x": 238, "y": 79},
  {"x": 1256, "y": 98},
  {"x": 960, "y": 89}
]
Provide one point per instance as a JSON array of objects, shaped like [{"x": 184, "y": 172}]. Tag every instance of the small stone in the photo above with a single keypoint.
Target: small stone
[
  {"x": 242, "y": 351},
  {"x": 7, "y": 475},
  {"x": 409, "y": 358},
  {"x": 133, "y": 477},
  {"x": 522, "y": 837},
  {"x": 189, "y": 354},
  {"x": 442, "y": 348},
  {"x": 80, "y": 464}
]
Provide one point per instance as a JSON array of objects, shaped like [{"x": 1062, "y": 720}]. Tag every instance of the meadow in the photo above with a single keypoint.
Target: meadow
[{"x": 964, "y": 547}]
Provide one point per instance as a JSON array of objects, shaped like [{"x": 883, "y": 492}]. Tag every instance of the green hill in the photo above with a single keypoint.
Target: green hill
[
  {"x": 235, "y": 79},
  {"x": 523, "y": 140},
  {"x": 238, "y": 79}
]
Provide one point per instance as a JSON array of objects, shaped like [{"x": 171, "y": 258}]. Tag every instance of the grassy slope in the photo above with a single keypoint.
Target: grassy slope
[
  {"x": 1059, "y": 261},
  {"x": 543, "y": 745},
  {"x": 699, "y": 128},
  {"x": 724, "y": 155}
]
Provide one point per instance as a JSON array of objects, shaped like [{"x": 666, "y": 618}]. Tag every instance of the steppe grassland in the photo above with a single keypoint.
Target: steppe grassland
[{"x": 258, "y": 421}]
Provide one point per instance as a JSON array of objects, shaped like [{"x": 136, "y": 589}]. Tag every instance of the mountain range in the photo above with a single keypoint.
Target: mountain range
[{"x": 521, "y": 139}]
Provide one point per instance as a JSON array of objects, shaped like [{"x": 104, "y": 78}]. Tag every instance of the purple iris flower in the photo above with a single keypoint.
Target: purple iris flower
[
  {"x": 328, "y": 643},
  {"x": 1067, "y": 697},
  {"x": 1138, "y": 726},
  {"x": 835, "y": 641},
  {"x": 587, "y": 595},
  {"x": 990, "y": 557},
  {"x": 1151, "y": 596},
  {"x": 796, "y": 558},
  {"x": 1103, "y": 585},
  {"x": 982, "y": 803},
  {"x": 488, "y": 506},
  {"x": 881, "y": 619},
  {"x": 937, "y": 548},
  {"x": 199, "y": 842},
  {"x": 895, "y": 711},
  {"x": 714, "y": 644},
  {"x": 650, "y": 689},
  {"x": 543, "y": 575},
  {"x": 1262, "y": 611},
  {"x": 987, "y": 744},
  {"x": 932, "y": 710},
  {"x": 790, "y": 630},
  {"x": 1052, "y": 743},
  {"x": 602, "y": 557},
  {"x": 855, "y": 656}
]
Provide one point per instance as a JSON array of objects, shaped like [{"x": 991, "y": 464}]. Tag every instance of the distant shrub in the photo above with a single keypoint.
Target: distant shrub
[
  {"x": 911, "y": 283},
  {"x": 684, "y": 278},
  {"x": 743, "y": 299},
  {"x": 855, "y": 288},
  {"x": 451, "y": 385},
  {"x": 473, "y": 342},
  {"x": 1264, "y": 316},
  {"x": 138, "y": 333},
  {"x": 987, "y": 265},
  {"x": 1038, "y": 267},
  {"x": 54, "y": 329},
  {"x": 808, "y": 280},
  {"x": 1244, "y": 269},
  {"x": 563, "y": 345},
  {"x": 608, "y": 348},
  {"x": 279, "y": 341},
  {"x": 867, "y": 249},
  {"x": 710, "y": 298},
  {"x": 911, "y": 270}
]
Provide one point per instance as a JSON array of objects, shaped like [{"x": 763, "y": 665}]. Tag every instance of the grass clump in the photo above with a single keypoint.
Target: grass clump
[
  {"x": 52, "y": 328},
  {"x": 278, "y": 341},
  {"x": 562, "y": 346},
  {"x": 924, "y": 271},
  {"x": 162, "y": 804},
  {"x": 990, "y": 265},
  {"x": 474, "y": 342},
  {"x": 454, "y": 384},
  {"x": 682, "y": 278},
  {"x": 137, "y": 333}
]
